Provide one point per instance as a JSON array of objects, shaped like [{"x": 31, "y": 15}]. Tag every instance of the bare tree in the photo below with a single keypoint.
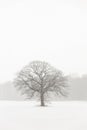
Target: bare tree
[{"x": 39, "y": 79}]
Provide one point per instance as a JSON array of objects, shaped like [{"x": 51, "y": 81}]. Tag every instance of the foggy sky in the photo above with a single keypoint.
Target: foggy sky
[{"x": 51, "y": 30}]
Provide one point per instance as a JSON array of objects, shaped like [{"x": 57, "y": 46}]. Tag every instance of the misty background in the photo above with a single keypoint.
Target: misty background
[
  {"x": 77, "y": 90},
  {"x": 51, "y": 30}
]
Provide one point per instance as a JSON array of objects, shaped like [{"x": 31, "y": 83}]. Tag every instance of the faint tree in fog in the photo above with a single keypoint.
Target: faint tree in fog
[{"x": 39, "y": 80}]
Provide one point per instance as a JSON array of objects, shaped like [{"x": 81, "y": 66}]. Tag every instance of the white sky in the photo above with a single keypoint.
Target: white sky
[{"x": 49, "y": 30}]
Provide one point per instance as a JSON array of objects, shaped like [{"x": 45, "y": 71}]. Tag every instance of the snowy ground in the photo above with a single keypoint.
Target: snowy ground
[{"x": 29, "y": 116}]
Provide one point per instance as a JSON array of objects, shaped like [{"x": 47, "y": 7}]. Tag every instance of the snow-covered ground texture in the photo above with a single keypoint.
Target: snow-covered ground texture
[{"x": 23, "y": 115}]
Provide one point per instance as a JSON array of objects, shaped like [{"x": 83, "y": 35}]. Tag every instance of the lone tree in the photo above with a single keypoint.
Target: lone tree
[{"x": 39, "y": 79}]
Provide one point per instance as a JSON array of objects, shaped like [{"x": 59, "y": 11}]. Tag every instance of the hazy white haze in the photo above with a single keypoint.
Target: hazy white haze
[{"x": 51, "y": 30}]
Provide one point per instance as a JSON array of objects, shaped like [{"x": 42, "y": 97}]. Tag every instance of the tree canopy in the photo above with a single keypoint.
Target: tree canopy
[{"x": 39, "y": 79}]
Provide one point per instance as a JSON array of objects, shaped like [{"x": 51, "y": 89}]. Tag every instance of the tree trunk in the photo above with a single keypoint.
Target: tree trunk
[{"x": 42, "y": 100}]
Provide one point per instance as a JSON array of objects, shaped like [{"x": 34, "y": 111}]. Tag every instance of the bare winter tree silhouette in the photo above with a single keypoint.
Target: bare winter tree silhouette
[{"x": 40, "y": 79}]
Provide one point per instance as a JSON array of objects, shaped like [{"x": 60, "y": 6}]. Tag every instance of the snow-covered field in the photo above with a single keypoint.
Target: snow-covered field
[{"x": 66, "y": 115}]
